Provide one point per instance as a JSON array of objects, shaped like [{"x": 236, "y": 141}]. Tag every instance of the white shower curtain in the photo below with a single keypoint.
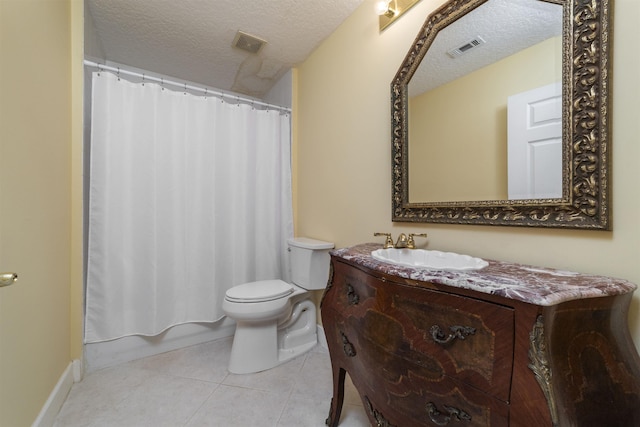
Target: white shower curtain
[{"x": 189, "y": 196}]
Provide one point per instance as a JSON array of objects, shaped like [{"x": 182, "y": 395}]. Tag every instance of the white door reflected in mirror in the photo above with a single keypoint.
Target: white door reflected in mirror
[{"x": 535, "y": 143}]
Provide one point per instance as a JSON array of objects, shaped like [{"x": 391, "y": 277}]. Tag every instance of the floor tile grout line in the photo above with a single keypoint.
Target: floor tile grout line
[
  {"x": 201, "y": 405},
  {"x": 293, "y": 387}
]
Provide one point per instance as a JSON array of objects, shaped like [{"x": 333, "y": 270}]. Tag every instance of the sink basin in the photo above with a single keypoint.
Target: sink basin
[{"x": 432, "y": 260}]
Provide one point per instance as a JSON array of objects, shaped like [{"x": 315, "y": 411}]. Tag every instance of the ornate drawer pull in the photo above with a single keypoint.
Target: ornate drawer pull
[
  {"x": 352, "y": 296},
  {"x": 347, "y": 347},
  {"x": 459, "y": 332},
  {"x": 381, "y": 421},
  {"x": 442, "y": 420}
]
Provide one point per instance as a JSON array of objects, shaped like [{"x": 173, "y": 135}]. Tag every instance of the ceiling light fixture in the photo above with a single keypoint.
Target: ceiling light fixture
[{"x": 389, "y": 11}]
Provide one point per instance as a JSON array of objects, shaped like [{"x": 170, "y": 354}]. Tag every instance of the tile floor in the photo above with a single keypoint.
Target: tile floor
[{"x": 191, "y": 387}]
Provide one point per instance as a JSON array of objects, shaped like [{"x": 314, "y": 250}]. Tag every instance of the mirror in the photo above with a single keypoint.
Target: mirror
[
  {"x": 478, "y": 77},
  {"x": 464, "y": 92}
]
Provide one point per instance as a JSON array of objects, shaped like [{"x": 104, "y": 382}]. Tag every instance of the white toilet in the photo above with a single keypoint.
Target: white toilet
[{"x": 276, "y": 320}]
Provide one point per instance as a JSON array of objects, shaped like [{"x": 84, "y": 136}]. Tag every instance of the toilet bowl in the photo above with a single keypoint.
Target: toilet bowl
[{"x": 276, "y": 320}]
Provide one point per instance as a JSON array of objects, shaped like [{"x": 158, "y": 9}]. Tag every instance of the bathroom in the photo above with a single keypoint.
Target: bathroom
[{"x": 342, "y": 180}]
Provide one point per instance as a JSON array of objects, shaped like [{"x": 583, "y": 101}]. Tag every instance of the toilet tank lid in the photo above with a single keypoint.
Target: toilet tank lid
[{"x": 307, "y": 243}]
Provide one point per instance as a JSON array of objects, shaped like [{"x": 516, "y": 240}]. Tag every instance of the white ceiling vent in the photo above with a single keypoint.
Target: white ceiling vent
[
  {"x": 459, "y": 51},
  {"x": 247, "y": 42}
]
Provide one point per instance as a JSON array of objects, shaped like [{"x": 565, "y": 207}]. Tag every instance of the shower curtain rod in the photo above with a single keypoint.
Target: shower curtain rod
[{"x": 185, "y": 86}]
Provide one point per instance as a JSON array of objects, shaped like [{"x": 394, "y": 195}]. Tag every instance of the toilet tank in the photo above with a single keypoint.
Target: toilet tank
[{"x": 309, "y": 262}]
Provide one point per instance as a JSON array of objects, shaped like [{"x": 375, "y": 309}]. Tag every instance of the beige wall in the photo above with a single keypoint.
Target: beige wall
[
  {"x": 343, "y": 178},
  {"x": 462, "y": 126},
  {"x": 40, "y": 133}
]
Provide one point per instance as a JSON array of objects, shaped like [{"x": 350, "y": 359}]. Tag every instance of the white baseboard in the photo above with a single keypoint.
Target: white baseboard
[
  {"x": 56, "y": 399},
  {"x": 77, "y": 370}
]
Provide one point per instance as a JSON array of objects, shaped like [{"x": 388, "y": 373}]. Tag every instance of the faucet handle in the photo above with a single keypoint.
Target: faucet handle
[
  {"x": 411, "y": 244},
  {"x": 388, "y": 243}
]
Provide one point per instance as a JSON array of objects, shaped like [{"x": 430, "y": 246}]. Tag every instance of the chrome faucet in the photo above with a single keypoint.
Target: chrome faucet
[{"x": 403, "y": 241}]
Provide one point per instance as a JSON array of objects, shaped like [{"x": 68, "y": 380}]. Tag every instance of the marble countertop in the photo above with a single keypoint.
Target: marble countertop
[{"x": 535, "y": 285}]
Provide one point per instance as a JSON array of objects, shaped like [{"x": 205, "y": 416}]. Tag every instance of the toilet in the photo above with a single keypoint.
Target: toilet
[{"x": 276, "y": 320}]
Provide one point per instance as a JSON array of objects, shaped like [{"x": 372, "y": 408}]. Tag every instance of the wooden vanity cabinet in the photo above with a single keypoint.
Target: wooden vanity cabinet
[{"x": 426, "y": 354}]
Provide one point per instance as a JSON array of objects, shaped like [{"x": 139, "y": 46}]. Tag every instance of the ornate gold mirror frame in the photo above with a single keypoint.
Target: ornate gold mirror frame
[{"x": 585, "y": 201}]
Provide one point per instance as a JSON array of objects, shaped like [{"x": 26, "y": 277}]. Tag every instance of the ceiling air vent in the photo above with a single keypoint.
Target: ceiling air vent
[
  {"x": 247, "y": 42},
  {"x": 477, "y": 41}
]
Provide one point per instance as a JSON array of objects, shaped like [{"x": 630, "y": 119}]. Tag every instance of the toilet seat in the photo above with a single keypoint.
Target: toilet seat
[{"x": 261, "y": 291}]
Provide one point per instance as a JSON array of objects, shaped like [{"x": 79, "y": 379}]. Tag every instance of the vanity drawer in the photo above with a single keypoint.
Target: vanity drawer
[
  {"x": 461, "y": 337},
  {"x": 351, "y": 290},
  {"x": 473, "y": 340},
  {"x": 404, "y": 393},
  {"x": 399, "y": 389},
  {"x": 422, "y": 405}
]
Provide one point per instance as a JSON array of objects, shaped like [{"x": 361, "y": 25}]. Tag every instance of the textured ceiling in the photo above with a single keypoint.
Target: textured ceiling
[
  {"x": 507, "y": 26},
  {"x": 191, "y": 39}
]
